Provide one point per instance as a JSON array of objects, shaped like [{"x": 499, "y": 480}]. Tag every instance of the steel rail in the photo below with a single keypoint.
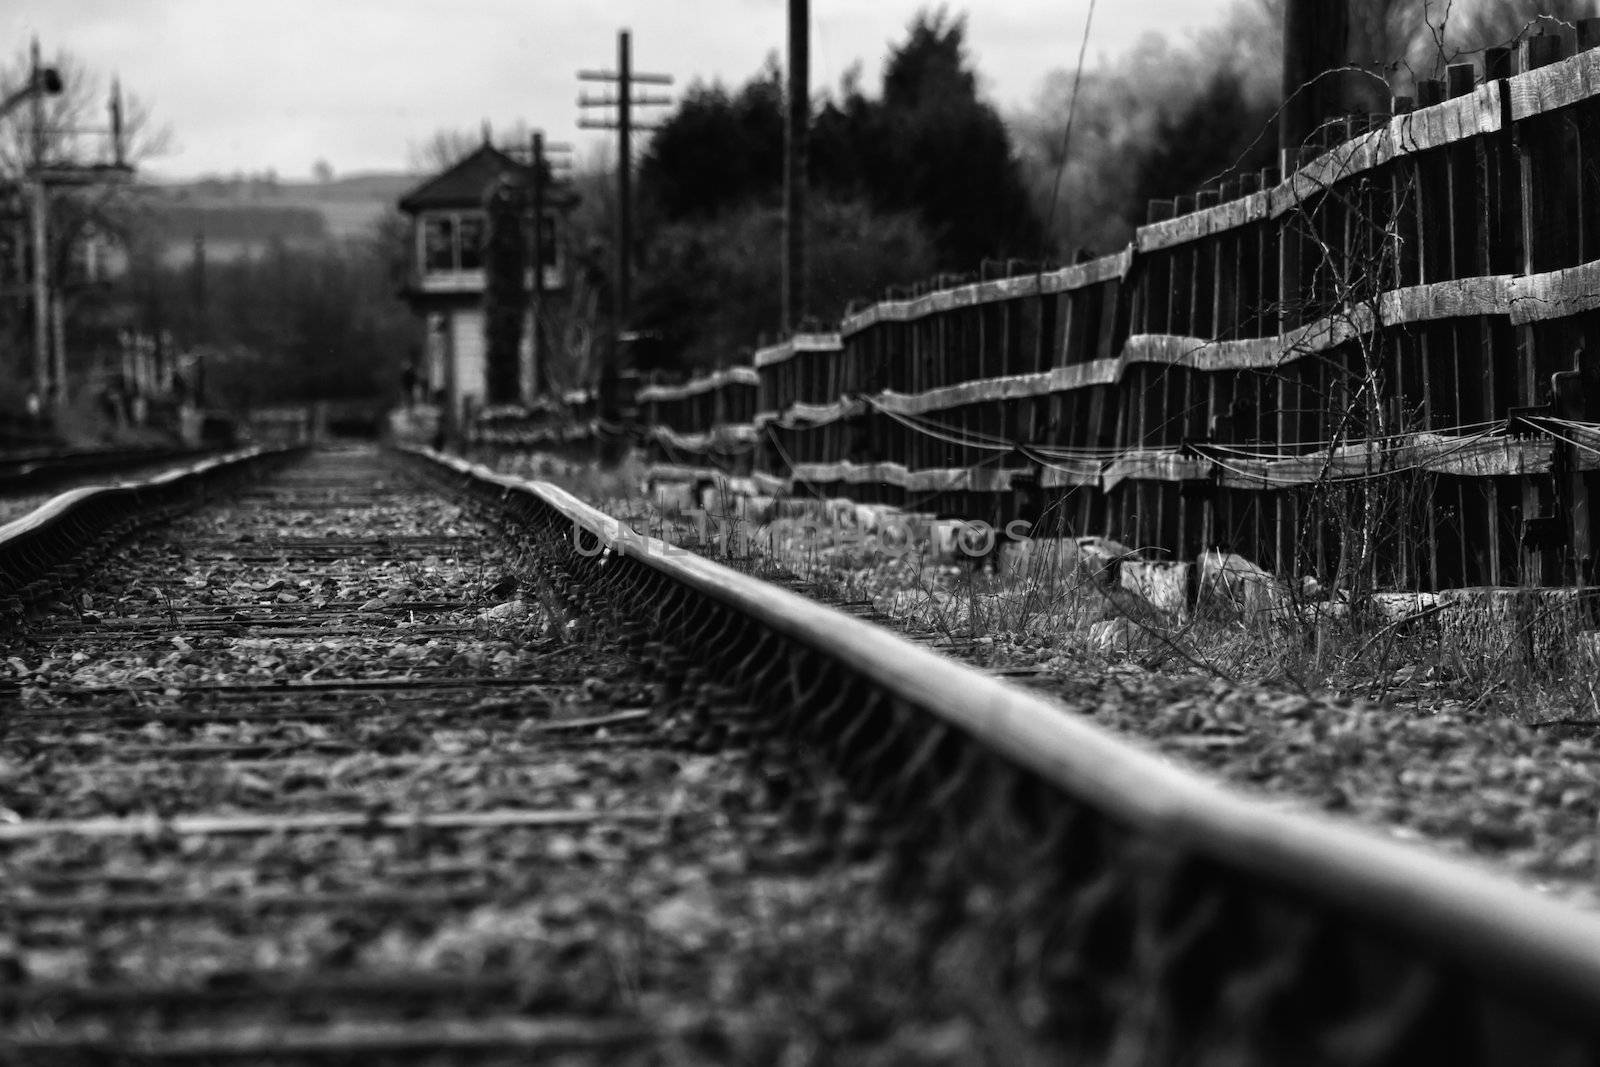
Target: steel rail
[
  {"x": 56, "y": 542},
  {"x": 1412, "y": 952},
  {"x": 36, "y": 472}
]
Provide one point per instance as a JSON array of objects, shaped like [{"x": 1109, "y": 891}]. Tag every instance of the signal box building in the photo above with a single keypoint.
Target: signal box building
[{"x": 447, "y": 279}]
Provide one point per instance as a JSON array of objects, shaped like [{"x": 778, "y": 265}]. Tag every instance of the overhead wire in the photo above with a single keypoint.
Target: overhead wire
[
  {"x": 951, "y": 436},
  {"x": 1066, "y": 133},
  {"x": 1267, "y": 477},
  {"x": 1539, "y": 420}
]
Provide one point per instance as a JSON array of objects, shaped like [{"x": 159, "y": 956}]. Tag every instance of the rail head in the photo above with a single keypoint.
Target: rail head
[
  {"x": 49, "y": 512},
  {"x": 48, "y": 536},
  {"x": 1504, "y": 935},
  {"x": 41, "y": 472},
  {"x": 64, "y": 503}
]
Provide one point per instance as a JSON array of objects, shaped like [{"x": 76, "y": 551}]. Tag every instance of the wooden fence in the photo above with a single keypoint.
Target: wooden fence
[{"x": 1380, "y": 365}]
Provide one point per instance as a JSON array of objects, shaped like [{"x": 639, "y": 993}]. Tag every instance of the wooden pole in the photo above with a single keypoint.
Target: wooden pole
[
  {"x": 43, "y": 362},
  {"x": 1315, "y": 36},
  {"x": 39, "y": 204},
  {"x": 796, "y": 153},
  {"x": 624, "y": 180},
  {"x": 58, "y": 348},
  {"x": 536, "y": 379},
  {"x": 199, "y": 281},
  {"x": 624, "y": 78}
]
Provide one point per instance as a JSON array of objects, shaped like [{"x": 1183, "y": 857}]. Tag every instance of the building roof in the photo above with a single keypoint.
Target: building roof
[{"x": 464, "y": 184}]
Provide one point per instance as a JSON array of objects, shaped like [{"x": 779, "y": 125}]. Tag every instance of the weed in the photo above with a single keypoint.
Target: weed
[{"x": 1052, "y": 599}]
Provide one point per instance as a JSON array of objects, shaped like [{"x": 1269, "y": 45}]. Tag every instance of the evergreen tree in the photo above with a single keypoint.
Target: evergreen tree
[
  {"x": 925, "y": 167},
  {"x": 926, "y": 145},
  {"x": 932, "y": 147},
  {"x": 1219, "y": 131},
  {"x": 718, "y": 150}
]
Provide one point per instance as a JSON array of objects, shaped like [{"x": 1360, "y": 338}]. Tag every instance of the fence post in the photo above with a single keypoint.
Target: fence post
[
  {"x": 1588, "y": 144},
  {"x": 1258, "y": 419},
  {"x": 1547, "y": 195},
  {"x": 1294, "y": 300},
  {"x": 1155, "y": 303},
  {"x": 1500, "y": 228}
]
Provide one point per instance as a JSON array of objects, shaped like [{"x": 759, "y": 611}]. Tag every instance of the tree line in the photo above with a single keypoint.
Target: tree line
[
  {"x": 923, "y": 176},
  {"x": 1171, "y": 115},
  {"x": 914, "y": 179}
]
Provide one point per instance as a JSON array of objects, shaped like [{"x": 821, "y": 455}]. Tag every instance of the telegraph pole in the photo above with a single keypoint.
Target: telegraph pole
[
  {"x": 538, "y": 258},
  {"x": 624, "y": 78},
  {"x": 624, "y": 178},
  {"x": 42, "y": 81},
  {"x": 39, "y": 209},
  {"x": 796, "y": 145},
  {"x": 200, "y": 278},
  {"x": 38, "y": 134},
  {"x": 43, "y": 364},
  {"x": 543, "y": 177},
  {"x": 119, "y": 155},
  {"x": 49, "y": 306}
]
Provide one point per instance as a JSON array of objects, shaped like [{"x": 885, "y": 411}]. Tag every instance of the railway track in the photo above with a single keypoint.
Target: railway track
[
  {"x": 44, "y": 470},
  {"x": 351, "y": 757},
  {"x": 310, "y": 776},
  {"x": 29, "y": 480}
]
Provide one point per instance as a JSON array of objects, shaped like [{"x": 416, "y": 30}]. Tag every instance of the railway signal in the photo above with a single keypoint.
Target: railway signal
[{"x": 42, "y": 173}]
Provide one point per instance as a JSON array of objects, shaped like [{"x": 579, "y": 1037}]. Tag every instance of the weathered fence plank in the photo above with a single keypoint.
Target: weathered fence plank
[{"x": 1406, "y": 304}]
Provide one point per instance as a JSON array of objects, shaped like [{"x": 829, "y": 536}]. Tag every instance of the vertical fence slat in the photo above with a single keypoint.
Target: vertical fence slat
[
  {"x": 1547, "y": 243},
  {"x": 1451, "y": 204}
]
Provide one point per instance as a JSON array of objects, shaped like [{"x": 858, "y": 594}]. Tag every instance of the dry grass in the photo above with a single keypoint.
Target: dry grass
[
  {"x": 1526, "y": 654},
  {"x": 1469, "y": 723}
]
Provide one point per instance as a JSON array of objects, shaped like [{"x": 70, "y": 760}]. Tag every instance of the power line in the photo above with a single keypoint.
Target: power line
[{"x": 1066, "y": 134}]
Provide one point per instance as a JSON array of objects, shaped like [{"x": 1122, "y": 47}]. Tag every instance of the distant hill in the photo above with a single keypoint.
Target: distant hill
[{"x": 240, "y": 216}]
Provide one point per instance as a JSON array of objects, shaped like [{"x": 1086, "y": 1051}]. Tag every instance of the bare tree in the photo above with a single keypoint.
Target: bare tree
[
  {"x": 1403, "y": 40},
  {"x": 1478, "y": 24},
  {"x": 1129, "y": 109},
  {"x": 99, "y": 132},
  {"x": 77, "y": 122},
  {"x": 444, "y": 148}
]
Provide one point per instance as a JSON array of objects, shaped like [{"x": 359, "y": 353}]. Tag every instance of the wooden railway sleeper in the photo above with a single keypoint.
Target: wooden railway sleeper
[{"x": 710, "y": 723}]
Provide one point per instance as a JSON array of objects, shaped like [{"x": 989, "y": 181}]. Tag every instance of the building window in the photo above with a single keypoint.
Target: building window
[
  {"x": 438, "y": 242},
  {"x": 471, "y": 240}
]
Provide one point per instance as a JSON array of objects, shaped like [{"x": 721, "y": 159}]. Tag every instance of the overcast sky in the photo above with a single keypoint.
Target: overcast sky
[{"x": 247, "y": 85}]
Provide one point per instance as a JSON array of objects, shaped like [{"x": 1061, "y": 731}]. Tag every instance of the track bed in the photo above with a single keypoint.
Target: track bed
[{"x": 318, "y": 775}]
